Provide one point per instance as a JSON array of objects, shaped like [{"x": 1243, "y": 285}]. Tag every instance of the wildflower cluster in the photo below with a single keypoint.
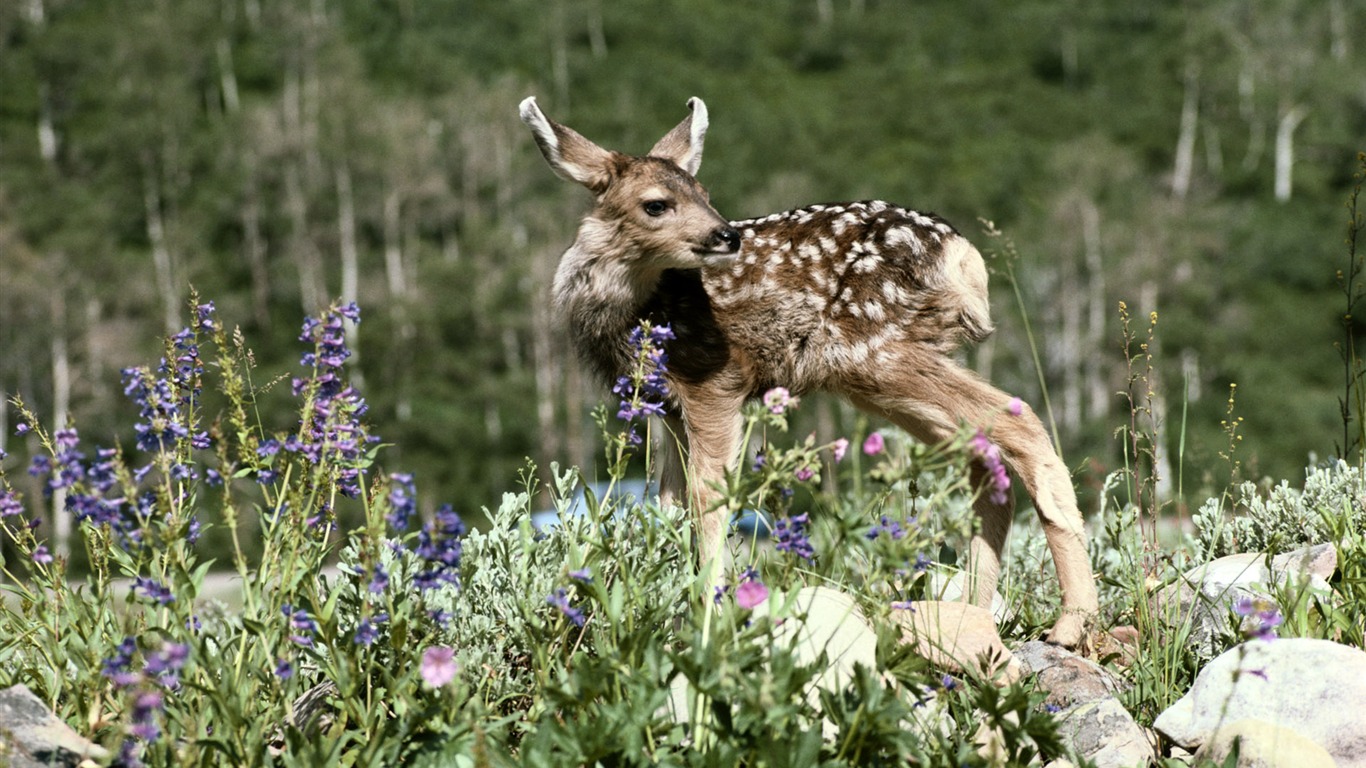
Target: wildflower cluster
[
  {"x": 331, "y": 429},
  {"x": 439, "y": 548},
  {"x": 1260, "y": 617},
  {"x": 790, "y": 535},
  {"x": 560, "y": 600},
  {"x": 160, "y": 674},
  {"x": 644, "y": 390}
]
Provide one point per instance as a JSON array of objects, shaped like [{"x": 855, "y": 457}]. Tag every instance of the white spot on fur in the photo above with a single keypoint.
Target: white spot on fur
[{"x": 905, "y": 237}]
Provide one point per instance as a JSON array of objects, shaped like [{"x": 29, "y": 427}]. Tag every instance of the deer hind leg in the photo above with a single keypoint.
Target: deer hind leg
[
  {"x": 929, "y": 399},
  {"x": 713, "y": 426}
]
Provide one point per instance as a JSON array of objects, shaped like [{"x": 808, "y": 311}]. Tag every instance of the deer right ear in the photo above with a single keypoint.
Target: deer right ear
[{"x": 570, "y": 155}]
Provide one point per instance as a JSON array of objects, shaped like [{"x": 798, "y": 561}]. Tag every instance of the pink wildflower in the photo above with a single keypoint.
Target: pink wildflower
[
  {"x": 438, "y": 665},
  {"x": 778, "y": 400},
  {"x": 874, "y": 444},
  {"x": 840, "y": 447},
  {"x": 1015, "y": 407},
  {"x": 750, "y": 594},
  {"x": 998, "y": 482}
]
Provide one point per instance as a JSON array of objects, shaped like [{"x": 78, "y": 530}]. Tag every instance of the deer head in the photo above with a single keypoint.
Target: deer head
[{"x": 649, "y": 209}]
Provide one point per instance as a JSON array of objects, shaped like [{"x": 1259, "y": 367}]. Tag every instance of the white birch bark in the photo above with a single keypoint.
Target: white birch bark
[{"x": 1285, "y": 150}]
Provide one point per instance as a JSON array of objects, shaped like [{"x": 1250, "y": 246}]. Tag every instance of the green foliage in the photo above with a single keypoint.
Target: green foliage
[
  {"x": 592, "y": 641},
  {"x": 1280, "y": 518}
]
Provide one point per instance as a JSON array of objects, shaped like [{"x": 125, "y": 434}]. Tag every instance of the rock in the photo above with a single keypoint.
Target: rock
[
  {"x": 1263, "y": 745},
  {"x": 1314, "y": 688},
  {"x": 1205, "y": 595},
  {"x": 947, "y": 587},
  {"x": 820, "y": 619},
  {"x": 1068, "y": 678},
  {"x": 957, "y": 637},
  {"x": 31, "y": 736},
  {"x": 1083, "y": 693},
  {"x": 812, "y": 621},
  {"x": 1105, "y": 733}
]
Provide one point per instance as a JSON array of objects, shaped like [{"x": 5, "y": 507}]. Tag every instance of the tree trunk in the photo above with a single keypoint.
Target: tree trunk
[
  {"x": 1185, "y": 142},
  {"x": 254, "y": 243},
  {"x": 395, "y": 276},
  {"x": 350, "y": 265},
  {"x": 1285, "y": 150},
  {"x": 1098, "y": 394},
  {"x": 61, "y": 415},
  {"x": 312, "y": 291},
  {"x": 163, "y": 261}
]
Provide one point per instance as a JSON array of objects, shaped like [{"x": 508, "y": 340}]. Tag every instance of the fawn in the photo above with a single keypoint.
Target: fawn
[{"x": 866, "y": 299}]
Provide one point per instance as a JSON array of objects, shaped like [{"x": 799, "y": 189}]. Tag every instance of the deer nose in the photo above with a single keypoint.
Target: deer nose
[{"x": 728, "y": 238}]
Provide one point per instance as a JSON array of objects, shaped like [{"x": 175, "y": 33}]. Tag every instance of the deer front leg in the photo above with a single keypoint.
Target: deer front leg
[{"x": 713, "y": 426}]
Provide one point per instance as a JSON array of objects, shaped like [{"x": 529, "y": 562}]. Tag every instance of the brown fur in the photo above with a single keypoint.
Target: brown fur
[{"x": 866, "y": 299}]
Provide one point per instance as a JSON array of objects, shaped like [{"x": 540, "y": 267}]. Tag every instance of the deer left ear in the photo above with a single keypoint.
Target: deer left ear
[{"x": 683, "y": 145}]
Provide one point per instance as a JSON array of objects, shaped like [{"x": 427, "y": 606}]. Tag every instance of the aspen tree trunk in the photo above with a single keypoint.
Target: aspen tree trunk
[
  {"x": 312, "y": 292},
  {"x": 1185, "y": 142},
  {"x": 254, "y": 242},
  {"x": 1098, "y": 394},
  {"x": 395, "y": 277},
  {"x": 163, "y": 261},
  {"x": 1069, "y": 353},
  {"x": 61, "y": 415},
  {"x": 1285, "y": 150},
  {"x": 350, "y": 265}
]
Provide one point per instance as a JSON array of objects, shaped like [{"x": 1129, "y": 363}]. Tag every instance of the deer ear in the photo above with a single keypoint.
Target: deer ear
[
  {"x": 683, "y": 145},
  {"x": 570, "y": 155}
]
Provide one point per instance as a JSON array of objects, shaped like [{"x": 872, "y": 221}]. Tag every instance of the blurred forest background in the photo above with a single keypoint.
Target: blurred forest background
[{"x": 1190, "y": 158}]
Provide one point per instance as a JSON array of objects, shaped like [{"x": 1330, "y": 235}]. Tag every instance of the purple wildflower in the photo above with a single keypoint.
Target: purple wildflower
[
  {"x": 581, "y": 575},
  {"x": 164, "y": 666},
  {"x": 887, "y": 526},
  {"x": 41, "y": 555},
  {"x": 153, "y": 590},
  {"x": 402, "y": 501},
  {"x": 146, "y": 704},
  {"x": 284, "y": 669},
  {"x": 367, "y": 631},
  {"x": 644, "y": 391},
  {"x": 561, "y": 601},
  {"x": 1260, "y": 615},
  {"x": 10, "y": 504},
  {"x": 332, "y": 431},
  {"x": 789, "y": 535},
  {"x": 119, "y": 667},
  {"x": 439, "y": 548},
  {"x": 874, "y": 445}
]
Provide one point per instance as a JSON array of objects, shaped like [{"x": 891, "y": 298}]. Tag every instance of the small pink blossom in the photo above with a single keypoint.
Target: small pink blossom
[
  {"x": 805, "y": 473},
  {"x": 438, "y": 665},
  {"x": 998, "y": 482},
  {"x": 840, "y": 447},
  {"x": 778, "y": 400},
  {"x": 874, "y": 444},
  {"x": 1015, "y": 407},
  {"x": 750, "y": 594}
]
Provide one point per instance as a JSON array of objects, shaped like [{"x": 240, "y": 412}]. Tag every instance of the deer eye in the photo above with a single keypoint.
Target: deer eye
[{"x": 655, "y": 207}]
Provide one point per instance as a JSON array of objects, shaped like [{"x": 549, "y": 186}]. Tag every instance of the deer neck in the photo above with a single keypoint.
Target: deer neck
[{"x": 602, "y": 287}]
